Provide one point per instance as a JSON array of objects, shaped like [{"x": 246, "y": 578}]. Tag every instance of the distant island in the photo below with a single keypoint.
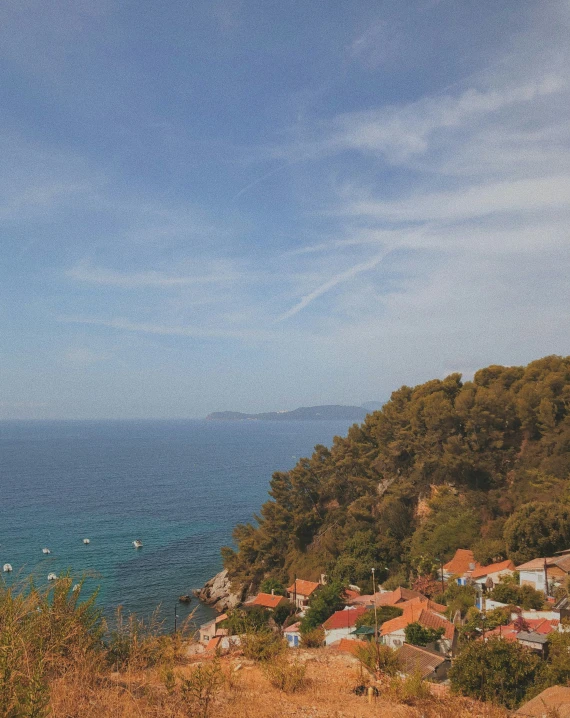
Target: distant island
[{"x": 304, "y": 413}]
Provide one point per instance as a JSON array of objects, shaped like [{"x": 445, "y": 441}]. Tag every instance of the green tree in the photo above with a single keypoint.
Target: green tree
[
  {"x": 328, "y": 600},
  {"x": 419, "y": 635},
  {"x": 497, "y": 671},
  {"x": 271, "y": 584},
  {"x": 283, "y": 612},
  {"x": 383, "y": 614},
  {"x": 537, "y": 529}
]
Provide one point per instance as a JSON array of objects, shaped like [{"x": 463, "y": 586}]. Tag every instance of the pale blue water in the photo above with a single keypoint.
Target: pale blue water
[{"x": 180, "y": 486}]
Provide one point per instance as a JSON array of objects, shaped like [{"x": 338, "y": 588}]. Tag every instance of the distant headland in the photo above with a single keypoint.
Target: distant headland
[{"x": 304, "y": 413}]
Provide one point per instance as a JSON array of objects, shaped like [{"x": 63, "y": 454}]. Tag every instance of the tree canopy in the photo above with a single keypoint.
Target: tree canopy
[{"x": 448, "y": 464}]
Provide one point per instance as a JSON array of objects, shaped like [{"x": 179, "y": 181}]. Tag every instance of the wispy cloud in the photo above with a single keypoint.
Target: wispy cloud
[
  {"x": 340, "y": 278},
  {"x": 126, "y": 325},
  {"x": 85, "y": 272}
]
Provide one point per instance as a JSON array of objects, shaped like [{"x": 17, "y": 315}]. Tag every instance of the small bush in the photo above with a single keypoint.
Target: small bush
[
  {"x": 201, "y": 689},
  {"x": 409, "y": 690},
  {"x": 262, "y": 645},
  {"x": 287, "y": 677},
  {"x": 313, "y": 639},
  {"x": 379, "y": 658}
]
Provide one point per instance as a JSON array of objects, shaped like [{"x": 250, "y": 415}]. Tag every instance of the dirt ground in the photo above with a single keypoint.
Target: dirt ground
[{"x": 247, "y": 693}]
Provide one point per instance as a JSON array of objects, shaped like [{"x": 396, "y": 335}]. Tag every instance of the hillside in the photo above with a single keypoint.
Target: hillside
[
  {"x": 303, "y": 413},
  {"x": 481, "y": 464}
]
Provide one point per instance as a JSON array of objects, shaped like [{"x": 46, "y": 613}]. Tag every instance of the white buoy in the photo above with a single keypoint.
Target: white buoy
[
  {"x": 46, "y": 550},
  {"x": 52, "y": 577},
  {"x": 85, "y": 541},
  {"x": 7, "y": 567}
]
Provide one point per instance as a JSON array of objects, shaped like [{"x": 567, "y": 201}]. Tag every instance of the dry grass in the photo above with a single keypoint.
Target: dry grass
[
  {"x": 58, "y": 661},
  {"x": 248, "y": 693}
]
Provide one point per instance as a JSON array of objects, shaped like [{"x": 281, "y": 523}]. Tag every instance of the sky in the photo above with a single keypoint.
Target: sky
[{"x": 254, "y": 206}]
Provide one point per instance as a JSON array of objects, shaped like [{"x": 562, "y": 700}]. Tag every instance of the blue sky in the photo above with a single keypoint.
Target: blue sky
[{"x": 262, "y": 205}]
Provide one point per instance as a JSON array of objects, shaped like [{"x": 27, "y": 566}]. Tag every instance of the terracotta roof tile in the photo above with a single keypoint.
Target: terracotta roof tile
[
  {"x": 266, "y": 600},
  {"x": 481, "y": 571},
  {"x": 535, "y": 565},
  {"x": 425, "y": 603},
  {"x": 348, "y": 645},
  {"x": 419, "y": 614},
  {"x": 413, "y": 658},
  {"x": 344, "y": 619},
  {"x": 557, "y": 697},
  {"x": 304, "y": 588},
  {"x": 293, "y": 628},
  {"x": 461, "y": 563},
  {"x": 213, "y": 643}
]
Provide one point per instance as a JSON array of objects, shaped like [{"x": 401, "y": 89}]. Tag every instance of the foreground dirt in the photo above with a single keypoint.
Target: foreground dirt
[{"x": 247, "y": 693}]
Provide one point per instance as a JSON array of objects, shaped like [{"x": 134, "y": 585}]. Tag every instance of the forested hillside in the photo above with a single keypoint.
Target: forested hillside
[{"x": 481, "y": 464}]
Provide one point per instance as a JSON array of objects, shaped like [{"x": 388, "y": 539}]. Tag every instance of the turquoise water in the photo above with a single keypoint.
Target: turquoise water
[{"x": 180, "y": 486}]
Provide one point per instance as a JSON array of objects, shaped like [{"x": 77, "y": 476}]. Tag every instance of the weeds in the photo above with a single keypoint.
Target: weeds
[
  {"x": 377, "y": 657},
  {"x": 262, "y": 645},
  {"x": 200, "y": 690},
  {"x": 287, "y": 677}
]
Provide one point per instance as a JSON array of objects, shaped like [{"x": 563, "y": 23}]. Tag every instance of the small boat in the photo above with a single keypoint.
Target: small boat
[
  {"x": 7, "y": 567},
  {"x": 76, "y": 587},
  {"x": 86, "y": 541},
  {"x": 137, "y": 543},
  {"x": 52, "y": 577},
  {"x": 46, "y": 550},
  {"x": 185, "y": 598}
]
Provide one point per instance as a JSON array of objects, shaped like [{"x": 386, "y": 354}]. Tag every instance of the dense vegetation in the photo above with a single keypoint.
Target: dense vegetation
[{"x": 444, "y": 465}]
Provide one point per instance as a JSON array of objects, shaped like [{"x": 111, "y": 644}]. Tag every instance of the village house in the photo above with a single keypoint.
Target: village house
[
  {"x": 341, "y": 623},
  {"x": 212, "y": 629},
  {"x": 393, "y": 632},
  {"x": 300, "y": 592},
  {"x": 537, "y": 642},
  {"x": 431, "y": 665},
  {"x": 489, "y": 576},
  {"x": 386, "y": 598},
  {"x": 268, "y": 601},
  {"x": 460, "y": 567},
  {"x": 545, "y": 574},
  {"x": 293, "y": 635}
]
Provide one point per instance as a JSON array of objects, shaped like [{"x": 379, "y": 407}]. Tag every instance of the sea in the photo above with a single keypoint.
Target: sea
[{"x": 178, "y": 486}]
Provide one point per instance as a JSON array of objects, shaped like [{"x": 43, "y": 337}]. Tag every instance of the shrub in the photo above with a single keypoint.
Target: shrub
[
  {"x": 201, "y": 688},
  {"x": 314, "y": 638},
  {"x": 287, "y": 677},
  {"x": 495, "y": 671},
  {"x": 383, "y": 614},
  {"x": 271, "y": 584},
  {"x": 283, "y": 613},
  {"x": 137, "y": 643},
  {"x": 410, "y": 689},
  {"x": 328, "y": 600},
  {"x": 418, "y": 635},
  {"x": 377, "y": 657},
  {"x": 262, "y": 645}
]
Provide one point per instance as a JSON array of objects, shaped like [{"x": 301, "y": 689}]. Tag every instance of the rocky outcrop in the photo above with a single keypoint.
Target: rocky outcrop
[{"x": 217, "y": 592}]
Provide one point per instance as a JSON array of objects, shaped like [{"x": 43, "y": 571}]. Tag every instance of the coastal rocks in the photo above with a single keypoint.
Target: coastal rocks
[{"x": 217, "y": 593}]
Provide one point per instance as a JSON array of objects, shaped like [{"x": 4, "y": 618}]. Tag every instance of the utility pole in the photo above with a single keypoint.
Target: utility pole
[
  {"x": 442, "y": 584},
  {"x": 545, "y": 579},
  {"x": 375, "y": 610}
]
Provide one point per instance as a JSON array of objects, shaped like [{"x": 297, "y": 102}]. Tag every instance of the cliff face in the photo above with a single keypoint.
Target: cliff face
[{"x": 217, "y": 593}]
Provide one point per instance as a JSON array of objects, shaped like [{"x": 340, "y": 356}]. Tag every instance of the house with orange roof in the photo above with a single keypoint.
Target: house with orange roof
[
  {"x": 461, "y": 566},
  {"x": 387, "y": 598},
  {"x": 341, "y": 623},
  {"x": 268, "y": 601},
  {"x": 425, "y": 602},
  {"x": 489, "y": 576},
  {"x": 393, "y": 632},
  {"x": 212, "y": 629},
  {"x": 301, "y": 591}
]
